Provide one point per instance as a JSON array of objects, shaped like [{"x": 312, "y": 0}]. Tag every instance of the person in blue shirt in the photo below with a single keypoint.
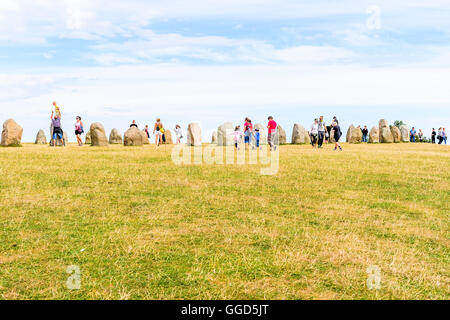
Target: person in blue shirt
[{"x": 412, "y": 135}]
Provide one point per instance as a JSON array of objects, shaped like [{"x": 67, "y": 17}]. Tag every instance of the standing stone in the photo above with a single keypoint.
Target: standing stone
[
  {"x": 145, "y": 139},
  {"x": 41, "y": 138},
  {"x": 331, "y": 139},
  {"x": 115, "y": 137},
  {"x": 385, "y": 132},
  {"x": 404, "y": 131},
  {"x": 98, "y": 135},
  {"x": 65, "y": 137},
  {"x": 168, "y": 136},
  {"x": 354, "y": 135},
  {"x": 132, "y": 137},
  {"x": 88, "y": 138},
  {"x": 11, "y": 134},
  {"x": 281, "y": 135},
  {"x": 214, "y": 138},
  {"x": 374, "y": 135},
  {"x": 396, "y": 134},
  {"x": 300, "y": 135},
  {"x": 225, "y": 134},
  {"x": 262, "y": 133},
  {"x": 194, "y": 135}
]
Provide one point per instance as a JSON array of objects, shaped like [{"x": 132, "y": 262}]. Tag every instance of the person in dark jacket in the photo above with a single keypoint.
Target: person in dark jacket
[
  {"x": 365, "y": 134},
  {"x": 433, "y": 136},
  {"x": 337, "y": 135}
]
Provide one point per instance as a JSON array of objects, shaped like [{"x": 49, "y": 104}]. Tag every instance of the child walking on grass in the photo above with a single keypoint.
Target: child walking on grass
[
  {"x": 237, "y": 135},
  {"x": 257, "y": 139}
]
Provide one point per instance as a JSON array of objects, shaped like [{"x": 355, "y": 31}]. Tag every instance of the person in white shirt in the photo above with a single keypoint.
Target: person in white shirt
[
  {"x": 322, "y": 130},
  {"x": 178, "y": 133},
  {"x": 314, "y": 133}
]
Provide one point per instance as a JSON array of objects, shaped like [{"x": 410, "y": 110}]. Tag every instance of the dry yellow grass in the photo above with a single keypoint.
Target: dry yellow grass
[{"x": 140, "y": 227}]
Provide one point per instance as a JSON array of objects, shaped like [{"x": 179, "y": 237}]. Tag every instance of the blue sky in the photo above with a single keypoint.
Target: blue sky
[{"x": 191, "y": 61}]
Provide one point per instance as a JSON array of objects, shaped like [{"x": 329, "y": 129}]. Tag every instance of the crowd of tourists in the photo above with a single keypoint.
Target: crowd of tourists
[{"x": 319, "y": 133}]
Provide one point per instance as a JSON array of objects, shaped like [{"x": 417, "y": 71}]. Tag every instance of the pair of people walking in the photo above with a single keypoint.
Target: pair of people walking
[{"x": 320, "y": 133}]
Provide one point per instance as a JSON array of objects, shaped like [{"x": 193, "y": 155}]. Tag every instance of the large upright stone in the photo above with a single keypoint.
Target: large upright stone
[
  {"x": 98, "y": 135},
  {"x": 385, "y": 132},
  {"x": 194, "y": 137},
  {"x": 262, "y": 133},
  {"x": 11, "y": 134},
  {"x": 168, "y": 136},
  {"x": 40, "y": 138},
  {"x": 300, "y": 135},
  {"x": 331, "y": 138},
  {"x": 115, "y": 137},
  {"x": 145, "y": 139},
  {"x": 87, "y": 140},
  {"x": 132, "y": 137},
  {"x": 214, "y": 138},
  {"x": 396, "y": 134},
  {"x": 354, "y": 135},
  {"x": 374, "y": 135},
  {"x": 65, "y": 137},
  {"x": 282, "y": 139},
  {"x": 404, "y": 131},
  {"x": 225, "y": 134}
]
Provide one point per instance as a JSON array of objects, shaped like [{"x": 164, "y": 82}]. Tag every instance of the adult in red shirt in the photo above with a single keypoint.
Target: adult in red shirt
[{"x": 272, "y": 126}]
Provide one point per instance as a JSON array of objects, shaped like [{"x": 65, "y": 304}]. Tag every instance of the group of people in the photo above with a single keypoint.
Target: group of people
[
  {"x": 160, "y": 132},
  {"x": 320, "y": 133},
  {"x": 441, "y": 136},
  {"x": 252, "y": 136}
]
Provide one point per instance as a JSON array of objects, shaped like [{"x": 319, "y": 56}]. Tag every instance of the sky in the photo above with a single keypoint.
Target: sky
[{"x": 212, "y": 62}]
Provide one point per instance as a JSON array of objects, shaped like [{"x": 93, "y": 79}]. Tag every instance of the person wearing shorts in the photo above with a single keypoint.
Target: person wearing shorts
[
  {"x": 248, "y": 132},
  {"x": 157, "y": 131},
  {"x": 337, "y": 135},
  {"x": 57, "y": 131},
  {"x": 79, "y": 130}
]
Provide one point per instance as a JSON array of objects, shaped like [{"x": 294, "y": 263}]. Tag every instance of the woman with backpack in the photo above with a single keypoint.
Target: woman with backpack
[{"x": 79, "y": 130}]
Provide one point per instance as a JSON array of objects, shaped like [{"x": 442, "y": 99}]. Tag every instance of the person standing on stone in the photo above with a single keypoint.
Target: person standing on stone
[
  {"x": 57, "y": 131},
  {"x": 337, "y": 135},
  {"x": 272, "y": 127},
  {"x": 248, "y": 132},
  {"x": 158, "y": 130},
  {"x": 365, "y": 134},
  {"x": 322, "y": 129},
  {"x": 133, "y": 124},
  {"x": 79, "y": 130},
  {"x": 433, "y": 136},
  {"x": 412, "y": 135},
  {"x": 314, "y": 133},
  {"x": 178, "y": 133}
]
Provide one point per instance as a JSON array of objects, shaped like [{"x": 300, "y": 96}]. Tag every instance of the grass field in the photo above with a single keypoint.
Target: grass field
[{"x": 140, "y": 227}]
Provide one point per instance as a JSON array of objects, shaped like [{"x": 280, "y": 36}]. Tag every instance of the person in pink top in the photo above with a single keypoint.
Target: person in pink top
[
  {"x": 248, "y": 132},
  {"x": 272, "y": 126}
]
